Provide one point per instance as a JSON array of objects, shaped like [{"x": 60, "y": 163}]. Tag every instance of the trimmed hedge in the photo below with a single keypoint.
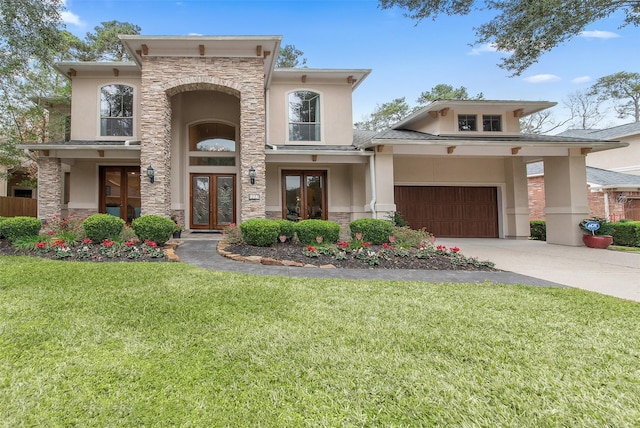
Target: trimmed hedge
[
  {"x": 626, "y": 233},
  {"x": 260, "y": 232},
  {"x": 287, "y": 228},
  {"x": 1, "y": 220},
  {"x": 373, "y": 230},
  {"x": 309, "y": 230},
  {"x": 99, "y": 227},
  {"x": 154, "y": 228},
  {"x": 538, "y": 230},
  {"x": 15, "y": 228}
]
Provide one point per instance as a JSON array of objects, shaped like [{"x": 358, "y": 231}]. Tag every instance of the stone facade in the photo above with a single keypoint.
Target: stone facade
[
  {"x": 49, "y": 187},
  {"x": 163, "y": 77}
]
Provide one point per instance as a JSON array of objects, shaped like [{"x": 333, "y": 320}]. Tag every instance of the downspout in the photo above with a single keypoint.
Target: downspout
[
  {"x": 372, "y": 172},
  {"x": 606, "y": 205},
  {"x": 266, "y": 121}
]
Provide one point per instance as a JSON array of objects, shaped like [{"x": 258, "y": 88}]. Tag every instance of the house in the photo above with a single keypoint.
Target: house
[
  {"x": 611, "y": 195},
  {"x": 205, "y": 128},
  {"x": 626, "y": 160}
]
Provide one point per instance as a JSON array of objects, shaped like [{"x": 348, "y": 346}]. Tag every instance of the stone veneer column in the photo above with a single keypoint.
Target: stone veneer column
[
  {"x": 163, "y": 77},
  {"x": 49, "y": 187}
]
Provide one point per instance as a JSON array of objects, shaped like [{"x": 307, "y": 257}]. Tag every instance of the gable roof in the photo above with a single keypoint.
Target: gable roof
[{"x": 595, "y": 176}]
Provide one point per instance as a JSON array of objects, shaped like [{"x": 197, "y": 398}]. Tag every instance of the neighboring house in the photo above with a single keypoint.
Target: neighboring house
[
  {"x": 206, "y": 129},
  {"x": 626, "y": 159},
  {"x": 611, "y": 195}
]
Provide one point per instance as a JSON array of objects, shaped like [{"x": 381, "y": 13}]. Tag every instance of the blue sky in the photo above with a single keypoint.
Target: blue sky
[{"x": 405, "y": 58}]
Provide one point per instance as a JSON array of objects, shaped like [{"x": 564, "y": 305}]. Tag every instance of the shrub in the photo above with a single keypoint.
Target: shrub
[
  {"x": 1, "y": 220},
  {"x": 15, "y": 228},
  {"x": 260, "y": 232},
  {"x": 153, "y": 228},
  {"x": 538, "y": 230},
  {"x": 232, "y": 234},
  {"x": 397, "y": 219},
  {"x": 287, "y": 228},
  {"x": 99, "y": 227},
  {"x": 626, "y": 233},
  {"x": 373, "y": 230},
  {"x": 309, "y": 230},
  {"x": 410, "y": 238}
]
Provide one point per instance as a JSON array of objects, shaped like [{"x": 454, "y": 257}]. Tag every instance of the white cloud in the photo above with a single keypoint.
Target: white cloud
[
  {"x": 69, "y": 17},
  {"x": 582, "y": 79},
  {"x": 597, "y": 34},
  {"x": 486, "y": 47},
  {"x": 542, "y": 78},
  {"x": 195, "y": 34}
]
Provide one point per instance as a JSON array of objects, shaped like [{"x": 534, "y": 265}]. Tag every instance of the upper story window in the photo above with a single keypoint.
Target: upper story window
[
  {"x": 467, "y": 122},
  {"x": 116, "y": 111},
  {"x": 491, "y": 123},
  {"x": 304, "y": 116}
]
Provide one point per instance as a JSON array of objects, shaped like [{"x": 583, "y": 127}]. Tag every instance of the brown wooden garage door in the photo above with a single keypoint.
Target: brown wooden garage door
[{"x": 469, "y": 212}]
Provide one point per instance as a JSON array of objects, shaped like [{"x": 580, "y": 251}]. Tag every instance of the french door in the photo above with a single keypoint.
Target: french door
[
  {"x": 120, "y": 191},
  {"x": 304, "y": 195},
  {"x": 213, "y": 201}
]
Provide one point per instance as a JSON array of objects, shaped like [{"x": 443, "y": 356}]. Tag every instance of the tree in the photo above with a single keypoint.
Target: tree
[
  {"x": 290, "y": 57},
  {"x": 29, "y": 37},
  {"x": 385, "y": 115},
  {"x": 524, "y": 29},
  {"x": 105, "y": 44},
  {"x": 446, "y": 92},
  {"x": 621, "y": 86},
  {"x": 541, "y": 122},
  {"x": 585, "y": 109}
]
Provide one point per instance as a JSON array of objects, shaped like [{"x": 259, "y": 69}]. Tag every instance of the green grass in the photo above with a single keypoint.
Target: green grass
[
  {"x": 623, "y": 248},
  {"x": 165, "y": 344}
]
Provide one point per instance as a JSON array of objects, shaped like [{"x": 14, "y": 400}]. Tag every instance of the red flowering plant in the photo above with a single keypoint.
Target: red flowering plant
[
  {"x": 151, "y": 248},
  {"x": 67, "y": 228},
  {"x": 42, "y": 247},
  {"x": 310, "y": 251}
]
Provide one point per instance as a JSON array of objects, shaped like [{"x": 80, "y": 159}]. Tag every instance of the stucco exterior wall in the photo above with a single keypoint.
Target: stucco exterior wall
[
  {"x": 85, "y": 106},
  {"x": 335, "y": 112},
  {"x": 625, "y": 159},
  {"x": 448, "y": 123},
  {"x": 442, "y": 170}
]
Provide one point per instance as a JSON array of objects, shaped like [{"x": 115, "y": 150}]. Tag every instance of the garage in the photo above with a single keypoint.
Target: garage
[{"x": 450, "y": 211}]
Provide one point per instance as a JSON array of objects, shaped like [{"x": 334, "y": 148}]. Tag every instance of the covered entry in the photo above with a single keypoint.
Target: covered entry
[{"x": 450, "y": 211}]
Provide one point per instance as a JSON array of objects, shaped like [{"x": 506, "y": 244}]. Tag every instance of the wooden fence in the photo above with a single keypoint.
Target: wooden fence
[{"x": 13, "y": 207}]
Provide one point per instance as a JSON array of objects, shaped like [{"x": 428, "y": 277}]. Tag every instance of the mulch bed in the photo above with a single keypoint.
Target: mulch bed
[
  {"x": 293, "y": 252},
  {"x": 95, "y": 255}
]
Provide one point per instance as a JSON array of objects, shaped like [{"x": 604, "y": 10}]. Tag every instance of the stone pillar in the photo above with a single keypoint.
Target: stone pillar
[
  {"x": 385, "y": 202},
  {"x": 252, "y": 154},
  {"x": 49, "y": 187},
  {"x": 517, "y": 224},
  {"x": 566, "y": 205},
  {"x": 155, "y": 148}
]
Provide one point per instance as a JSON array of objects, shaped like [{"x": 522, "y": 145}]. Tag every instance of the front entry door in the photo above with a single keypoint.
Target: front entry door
[
  {"x": 120, "y": 191},
  {"x": 213, "y": 201}
]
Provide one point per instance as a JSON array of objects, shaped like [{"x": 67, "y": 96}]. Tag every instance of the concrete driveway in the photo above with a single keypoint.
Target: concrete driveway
[{"x": 604, "y": 271}]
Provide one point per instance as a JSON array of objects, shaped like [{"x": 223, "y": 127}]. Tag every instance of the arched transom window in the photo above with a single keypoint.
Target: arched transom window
[
  {"x": 116, "y": 111},
  {"x": 304, "y": 116}
]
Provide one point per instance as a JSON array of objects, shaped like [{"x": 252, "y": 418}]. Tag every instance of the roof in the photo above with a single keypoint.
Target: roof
[
  {"x": 522, "y": 108},
  {"x": 406, "y": 136},
  {"x": 84, "y": 144},
  {"x": 354, "y": 77},
  {"x": 597, "y": 176},
  {"x": 612, "y": 133}
]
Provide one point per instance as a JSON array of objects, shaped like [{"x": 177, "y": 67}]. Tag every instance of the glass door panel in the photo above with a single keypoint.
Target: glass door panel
[
  {"x": 112, "y": 191},
  {"x": 293, "y": 187},
  {"x": 225, "y": 200},
  {"x": 200, "y": 201},
  {"x": 133, "y": 200},
  {"x": 314, "y": 193}
]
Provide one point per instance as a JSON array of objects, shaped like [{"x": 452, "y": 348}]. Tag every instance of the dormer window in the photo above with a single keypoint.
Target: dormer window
[
  {"x": 467, "y": 122},
  {"x": 304, "y": 116},
  {"x": 116, "y": 111},
  {"x": 491, "y": 123}
]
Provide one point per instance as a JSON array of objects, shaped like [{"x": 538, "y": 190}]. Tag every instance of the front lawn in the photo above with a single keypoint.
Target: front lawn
[{"x": 166, "y": 344}]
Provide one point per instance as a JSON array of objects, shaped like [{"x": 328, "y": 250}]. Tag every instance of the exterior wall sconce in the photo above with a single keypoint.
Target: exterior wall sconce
[
  {"x": 252, "y": 175},
  {"x": 151, "y": 174}
]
